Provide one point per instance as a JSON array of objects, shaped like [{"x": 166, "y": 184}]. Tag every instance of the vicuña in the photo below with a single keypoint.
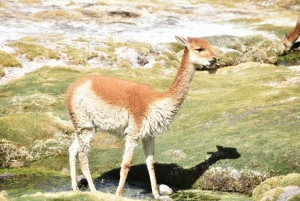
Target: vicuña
[
  {"x": 130, "y": 110},
  {"x": 292, "y": 37}
]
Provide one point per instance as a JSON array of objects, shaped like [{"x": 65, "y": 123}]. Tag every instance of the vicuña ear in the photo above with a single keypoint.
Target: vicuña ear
[{"x": 182, "y": 40}]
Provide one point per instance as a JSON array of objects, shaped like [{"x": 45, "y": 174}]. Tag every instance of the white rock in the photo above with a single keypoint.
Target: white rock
[{"x": 164, "y": 189}]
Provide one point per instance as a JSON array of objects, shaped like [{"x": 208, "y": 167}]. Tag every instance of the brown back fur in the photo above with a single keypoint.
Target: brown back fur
[{"x": 135, "y": 97}]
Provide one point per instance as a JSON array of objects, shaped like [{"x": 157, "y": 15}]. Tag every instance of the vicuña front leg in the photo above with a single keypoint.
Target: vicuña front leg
[
  {"x": 130, "y": 145},
  {"x": 149, "y": 144},
  {"x": 84, "y": 139}
]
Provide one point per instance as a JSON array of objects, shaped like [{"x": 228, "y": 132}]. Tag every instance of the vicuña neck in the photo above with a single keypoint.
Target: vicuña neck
[
  {"x": 293, "y": 36},
  {"x": 180, "y": 86}
]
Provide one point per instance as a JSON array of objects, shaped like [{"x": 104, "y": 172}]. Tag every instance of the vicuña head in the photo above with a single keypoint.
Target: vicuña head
[
  {"x": 130, "y": 110},
  {"x": 292, "y": 37}
]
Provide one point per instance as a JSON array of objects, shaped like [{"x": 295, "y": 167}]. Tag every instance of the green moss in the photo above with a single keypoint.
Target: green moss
[
  {"x": 140, "y": 47},
  {"x": 290, "y": 180},
  {"x": 29, "y": 1},
  {"x": 265, "y": 186},
  {"x": 59, "y": 14},
  {"x": 28, "y": 39},
  {"x": 33, "y": 50},
  {"x": 124, "y": 63},
  {"x": 295, "y": 197},
  {"x": 31, "y": 170},
  {"x": 279, "y": 31},
  {"x": 78, "y": 56},
  {"x": 229, "y": 58},
  {"x": 289, "y": 56},
  {"x": 287, "y": 4},
  {"x": 68, "y": 196},
  {"x": 158, "y": 64},
  {"x": 31, "y": 126},
  {"x": 236, "y": 46},
  {"x": 175, "y": 47},
  {"x": 274, "y": 193},
  {"x": 246, "y": 20},
  {"x": 7, "y": 60},
  {"x": 2, "y": 72},
  {"x": 170, "y": 59},
  {"x": 271, "y": 53},
  {"x": 207, "y": 196},
  {"x": 82, "y": 40},
  {"x": 290, "y": 59},
  {"x": 192, "y": 195},
  {"x": 71, "y": 3},
  {"x": 274, "y": 187}
]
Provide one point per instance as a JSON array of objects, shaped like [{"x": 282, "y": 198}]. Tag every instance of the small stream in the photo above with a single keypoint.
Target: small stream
[{"x": 33, "y": 183}]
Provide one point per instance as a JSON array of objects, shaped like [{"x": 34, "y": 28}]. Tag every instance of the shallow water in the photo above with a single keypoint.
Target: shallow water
[
  {"x": 33, "y": 183},
  {"x": 49, "y": 183}
]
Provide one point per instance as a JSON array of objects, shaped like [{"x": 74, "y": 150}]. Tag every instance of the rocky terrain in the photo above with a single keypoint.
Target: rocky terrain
[{"x": 86, "y": 24}]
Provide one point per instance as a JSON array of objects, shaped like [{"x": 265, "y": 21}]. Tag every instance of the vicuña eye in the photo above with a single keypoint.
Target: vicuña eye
[{"x": 199, "y": 49}]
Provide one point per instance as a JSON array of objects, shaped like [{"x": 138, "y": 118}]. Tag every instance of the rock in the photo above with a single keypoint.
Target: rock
[
  {"x": 164, "y": 189},
  {"x": 6, "y": 176},
  {"x": 122, "y": 13},
  {"x": 164, "y": 198},
  {"x": 16, "y": 163},
  {"x": 142, "y": 59},
  {"x": 288, "y": 192},
  {"x": 65, "y": 171}
]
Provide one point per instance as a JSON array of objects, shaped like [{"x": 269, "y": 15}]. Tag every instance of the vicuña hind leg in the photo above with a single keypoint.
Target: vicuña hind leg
[
  {"x": 84, "y": 139},
  {"x": 148, "y": 144},
  {"x": 130, "y": 145},
  {"x": 73, "y": 151}
]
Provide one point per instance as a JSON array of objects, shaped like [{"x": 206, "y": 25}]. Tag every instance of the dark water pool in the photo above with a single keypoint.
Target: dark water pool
[{"x": 32, "y": 183}]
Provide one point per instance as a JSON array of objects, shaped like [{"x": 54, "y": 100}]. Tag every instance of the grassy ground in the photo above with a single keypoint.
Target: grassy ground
[
  {"x": 254, "y": 109},
  {"x": 74, "y": 196}
]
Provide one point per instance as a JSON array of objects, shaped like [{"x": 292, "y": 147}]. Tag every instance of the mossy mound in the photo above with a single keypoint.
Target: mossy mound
[
  {"x": 232, "y": 50},
  {"x": 59, "y": 14},
  {"x": 7, "y": 60},
  {"x": 32, "y": 50},
  {"x": 278, "y": 188}
]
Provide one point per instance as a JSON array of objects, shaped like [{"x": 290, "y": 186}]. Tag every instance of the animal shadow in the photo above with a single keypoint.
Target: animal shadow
[{"x": 174, "y": 175}]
